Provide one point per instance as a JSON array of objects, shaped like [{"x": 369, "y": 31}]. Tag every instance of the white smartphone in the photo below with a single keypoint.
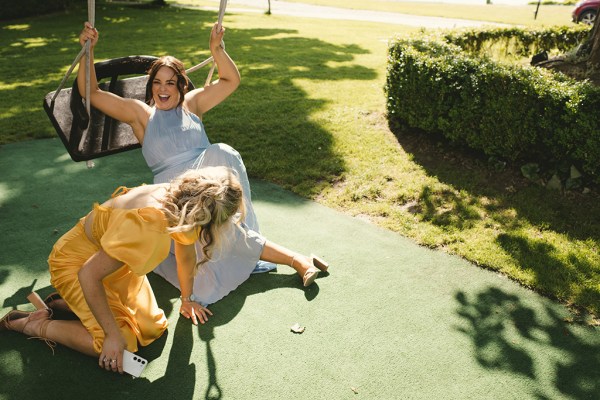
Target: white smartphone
[{"x": 133, "y": 364}]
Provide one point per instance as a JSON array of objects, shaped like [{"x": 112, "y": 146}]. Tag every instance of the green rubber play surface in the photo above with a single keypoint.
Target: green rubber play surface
[{"x": 391, "y": 320}]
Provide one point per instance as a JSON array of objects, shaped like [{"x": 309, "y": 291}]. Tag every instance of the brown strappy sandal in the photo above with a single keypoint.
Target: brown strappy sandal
[
  {"x": 14, "y": 315},
  {"x": 6, "y": 324}
]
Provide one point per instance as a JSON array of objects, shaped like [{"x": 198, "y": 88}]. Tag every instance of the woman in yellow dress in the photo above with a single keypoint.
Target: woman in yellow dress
[{"x": 99, "y": 267}]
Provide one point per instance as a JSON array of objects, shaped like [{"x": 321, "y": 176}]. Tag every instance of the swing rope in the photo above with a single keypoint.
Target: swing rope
[
  {"x": 84, "y": 50},
  {"x": 88, "y": 68},
  {"x": 222, "y": 7}
]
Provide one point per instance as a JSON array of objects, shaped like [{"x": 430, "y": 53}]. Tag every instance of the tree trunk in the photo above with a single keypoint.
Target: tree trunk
[
  {"x": 594, "y": 41},
  {"x": 587, "y": 63}
]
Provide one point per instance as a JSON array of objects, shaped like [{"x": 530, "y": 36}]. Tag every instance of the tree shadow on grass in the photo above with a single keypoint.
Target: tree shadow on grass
[
  {"x": 510, "y": 336},
  {"x": 508, "y": 200},
  {"x": 472, "y": 172},
  {"x": 550, "y": 270}
]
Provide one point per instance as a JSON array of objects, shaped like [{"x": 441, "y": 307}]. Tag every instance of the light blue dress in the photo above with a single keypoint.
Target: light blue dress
[{"x": 175, "y": 141}]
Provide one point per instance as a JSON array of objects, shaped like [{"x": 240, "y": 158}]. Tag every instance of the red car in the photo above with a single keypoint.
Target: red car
[{"x": 585, "y": 11}]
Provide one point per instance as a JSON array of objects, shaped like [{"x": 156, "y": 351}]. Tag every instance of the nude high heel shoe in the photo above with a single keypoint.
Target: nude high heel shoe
[
  {"x": 319, "y": 263},
  {"x": 37, "y": 301},
  {"x": 56, "y": 303},
  {"x": 309, "y": 275}
]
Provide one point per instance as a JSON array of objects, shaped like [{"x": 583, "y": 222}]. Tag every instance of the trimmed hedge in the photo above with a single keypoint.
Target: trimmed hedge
[{"x": 517, "y": 113}]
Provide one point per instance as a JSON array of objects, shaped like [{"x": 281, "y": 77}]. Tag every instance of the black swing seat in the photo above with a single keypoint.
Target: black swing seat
[{"x": 105, "y": 135}]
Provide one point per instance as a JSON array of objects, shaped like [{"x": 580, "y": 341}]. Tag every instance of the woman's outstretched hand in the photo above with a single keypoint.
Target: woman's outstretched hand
[
  {"x": 216, "y": 37},
  {"x": 193, "y": 310},
  {"x": 90, "y": 33}
]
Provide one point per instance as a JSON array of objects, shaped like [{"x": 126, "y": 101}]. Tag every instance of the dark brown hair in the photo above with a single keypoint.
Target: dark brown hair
[{"x": 178, "y": 69}]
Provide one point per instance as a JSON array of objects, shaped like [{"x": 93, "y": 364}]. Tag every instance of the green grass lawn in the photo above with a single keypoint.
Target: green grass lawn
[
  {"x": 310, "y": 116},
  {"x": 521, "y": 15}
]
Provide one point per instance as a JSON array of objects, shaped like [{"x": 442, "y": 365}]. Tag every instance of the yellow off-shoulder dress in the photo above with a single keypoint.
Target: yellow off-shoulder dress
[{"x": 139, "y": 239}]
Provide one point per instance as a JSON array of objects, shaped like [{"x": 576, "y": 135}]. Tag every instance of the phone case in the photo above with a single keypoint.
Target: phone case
[{"x": 133, "y": 364}]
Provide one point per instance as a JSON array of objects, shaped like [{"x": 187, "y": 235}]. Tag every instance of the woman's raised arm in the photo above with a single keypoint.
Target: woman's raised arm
[
  {"x": 130, "y": 111},
  {"x": 203, "y": 99}
]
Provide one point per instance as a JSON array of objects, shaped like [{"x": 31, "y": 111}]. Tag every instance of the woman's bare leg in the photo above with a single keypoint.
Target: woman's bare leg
[
  {"x": 277, "y": 254},
  {"x": 68, "y": 333}
]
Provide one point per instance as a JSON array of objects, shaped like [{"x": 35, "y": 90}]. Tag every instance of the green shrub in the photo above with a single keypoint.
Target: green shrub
[
  {"x": 448, "y": 85},
  {"x": 518, "y": 41}
]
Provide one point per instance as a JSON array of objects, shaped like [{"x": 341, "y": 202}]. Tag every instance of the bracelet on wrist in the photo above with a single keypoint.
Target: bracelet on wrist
[{"x": 188, "y": 299}]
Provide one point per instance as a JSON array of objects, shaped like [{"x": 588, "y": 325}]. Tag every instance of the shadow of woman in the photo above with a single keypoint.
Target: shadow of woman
[
  {"x": 227, "y": 308},
  {"x": 179, "y": 380}
]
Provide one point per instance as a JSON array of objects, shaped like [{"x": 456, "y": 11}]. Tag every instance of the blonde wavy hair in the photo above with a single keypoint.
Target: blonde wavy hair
[{"x": 205, "y": 198}]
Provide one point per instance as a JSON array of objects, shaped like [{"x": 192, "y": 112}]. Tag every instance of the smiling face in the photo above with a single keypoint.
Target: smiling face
[
  {"x": 164, "y": 89},
  {"x": 167, "y": 83}
]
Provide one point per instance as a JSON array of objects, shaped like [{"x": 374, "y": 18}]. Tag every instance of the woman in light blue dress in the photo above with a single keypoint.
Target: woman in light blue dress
[{"x": 173, "y": 140}]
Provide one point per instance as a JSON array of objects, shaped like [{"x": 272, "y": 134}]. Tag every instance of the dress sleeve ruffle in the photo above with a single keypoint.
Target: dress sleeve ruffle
[
  {"x": 188, "y": 237},
  {"x": 137, "y": 238}
]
